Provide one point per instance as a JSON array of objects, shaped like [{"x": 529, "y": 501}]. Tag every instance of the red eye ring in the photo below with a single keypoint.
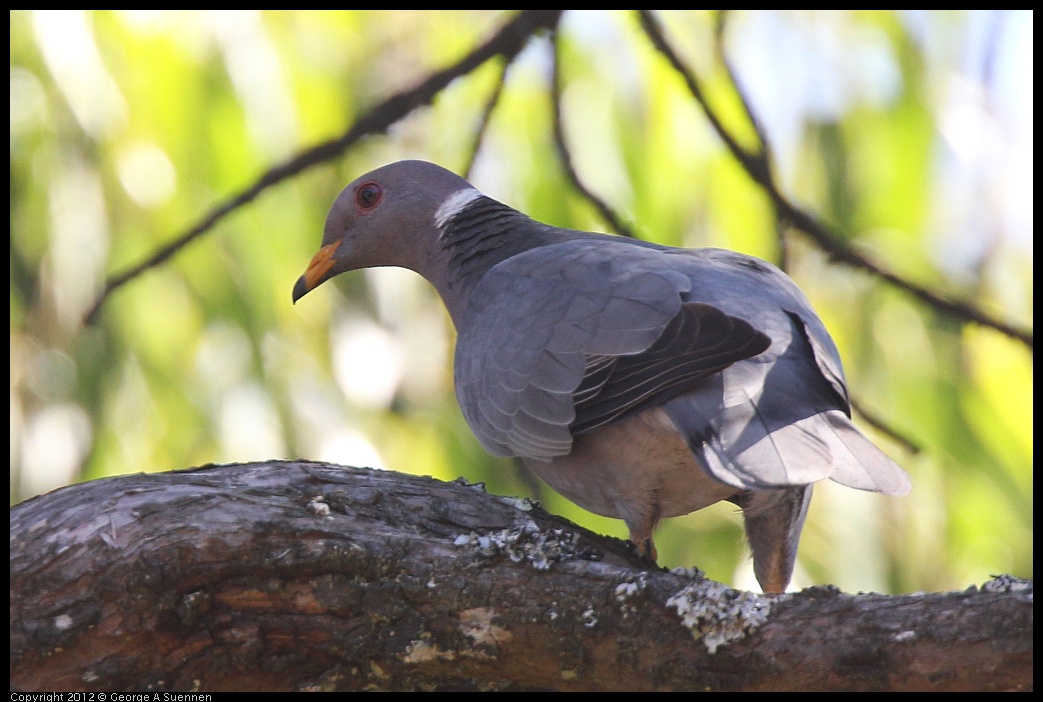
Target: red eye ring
[{"x": 368, "y": 195}]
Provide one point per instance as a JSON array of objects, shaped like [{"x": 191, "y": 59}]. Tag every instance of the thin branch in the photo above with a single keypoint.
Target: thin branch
[
  {"x": 758, "y": 168},
  {"x": 607, "y": 213},
  {"x": 764, "y": 151},
  {"x": 756, "y": 164},
  {"x": 483, "y": 124},
  {"x": 763, "y": 144},
  {"x": 877, "y": 422},
  {"x": 508, "y": 42}
]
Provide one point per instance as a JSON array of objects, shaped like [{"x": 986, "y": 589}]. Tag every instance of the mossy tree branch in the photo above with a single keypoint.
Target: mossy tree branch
[{"x": 297, "y": 575}]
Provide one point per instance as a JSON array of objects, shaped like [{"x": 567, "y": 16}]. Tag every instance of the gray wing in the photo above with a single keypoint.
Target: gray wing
[
  {"x": 564, "y": 338},
  {"x": 782, "y": 417},
  {"x": 700, "y": 341}
]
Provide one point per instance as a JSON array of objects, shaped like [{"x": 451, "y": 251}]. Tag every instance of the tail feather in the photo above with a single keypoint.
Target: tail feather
[
  {"x": 858, "y": 463},
  {"x": 741, "y": 447}
]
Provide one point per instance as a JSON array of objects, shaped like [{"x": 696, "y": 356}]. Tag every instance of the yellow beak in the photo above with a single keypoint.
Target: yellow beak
[{"x": 317, "y": 271}]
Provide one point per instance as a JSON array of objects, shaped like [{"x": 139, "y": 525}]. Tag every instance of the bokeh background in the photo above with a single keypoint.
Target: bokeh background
[{"x": 909, "y": 132}]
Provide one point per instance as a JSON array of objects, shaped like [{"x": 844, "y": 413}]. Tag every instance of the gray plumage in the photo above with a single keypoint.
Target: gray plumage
[{"x": 640, "y": 381}]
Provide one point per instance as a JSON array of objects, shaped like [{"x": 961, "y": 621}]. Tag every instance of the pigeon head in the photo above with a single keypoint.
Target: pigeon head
[{"x": 387, "y": 217}]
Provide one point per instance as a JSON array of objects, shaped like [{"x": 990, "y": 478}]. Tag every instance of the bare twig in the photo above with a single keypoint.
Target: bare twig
[
  {"x": 763, "y": 144},
  {"x": 764, "y": 150},
  {"x": 508, "y": 42},
  {"x": 487, "y": 111},
  {"x": 756, "y": 164},
  {"x": 758, "y": 168},
  {"x": 877, "y": 422},
  {"x": 607, "y": 213}
]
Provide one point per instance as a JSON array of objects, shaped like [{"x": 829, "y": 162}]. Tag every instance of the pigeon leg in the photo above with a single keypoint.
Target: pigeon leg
[{"x": 773, "y": 520}]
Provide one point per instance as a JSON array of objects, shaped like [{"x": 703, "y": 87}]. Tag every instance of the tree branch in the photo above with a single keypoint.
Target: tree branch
[
  {"x": 764, "y": 145},
  {"x": 307, "y": 576},
  {"x": 508, "y": 42},
  {"x": 483, "y": 123},
  {"x": 877, "y": 422},
  {"x": 614, "y": 221},
  {"x": 757, "y": 166}
]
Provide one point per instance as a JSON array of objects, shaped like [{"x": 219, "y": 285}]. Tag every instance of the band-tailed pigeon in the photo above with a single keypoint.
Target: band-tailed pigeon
[{"x": 640, "y": 381}]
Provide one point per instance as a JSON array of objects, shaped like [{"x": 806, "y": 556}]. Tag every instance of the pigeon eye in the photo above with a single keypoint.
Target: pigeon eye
[{"x": 368, "y": 195}]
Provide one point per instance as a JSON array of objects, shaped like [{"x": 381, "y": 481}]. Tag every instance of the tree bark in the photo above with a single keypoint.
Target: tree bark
[{"x": 308, "y": 576}]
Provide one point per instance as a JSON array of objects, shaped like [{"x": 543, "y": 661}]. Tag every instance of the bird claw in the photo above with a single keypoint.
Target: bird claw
[{"x": 646, "y": 547}]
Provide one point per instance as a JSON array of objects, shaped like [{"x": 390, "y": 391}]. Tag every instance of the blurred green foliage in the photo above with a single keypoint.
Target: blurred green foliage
[{"x": 909, "y": 132}]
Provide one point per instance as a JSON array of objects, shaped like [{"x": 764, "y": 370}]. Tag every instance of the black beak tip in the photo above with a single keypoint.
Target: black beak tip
[{"x": 300, "y": 289}]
